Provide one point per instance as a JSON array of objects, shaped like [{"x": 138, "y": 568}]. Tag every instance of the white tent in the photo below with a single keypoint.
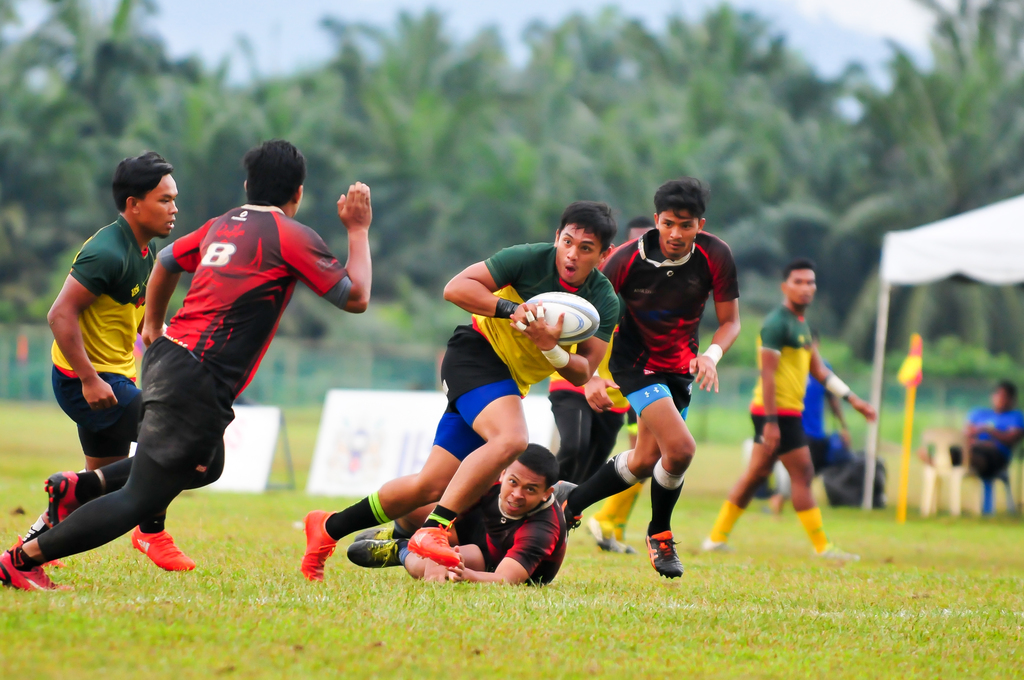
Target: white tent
[{"x": 985, "y": 245}]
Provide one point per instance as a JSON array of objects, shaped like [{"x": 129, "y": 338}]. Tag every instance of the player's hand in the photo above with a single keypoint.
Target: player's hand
[
  {"x": 863, "y": 407},
  {"x": 770, "y": 437},
  {"x": 98, "y": 393},
  {"x": 705, "y": 372},
  {"x": 533, "y": 325},
  {"x": 458, "y": 572},
  {"x": 354, "y": 208},
  {"x": 150, "y": 334},
  {"x": 596, "y": 390}
]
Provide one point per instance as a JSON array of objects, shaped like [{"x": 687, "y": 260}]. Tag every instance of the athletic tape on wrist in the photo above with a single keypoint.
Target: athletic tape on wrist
[
  {"x": 666, "y": 479},
  {"x": 622, "y": 467},
  {"x": 714, "y": 353},
  {"x": 556, "y": 356},
  {"x": 837, "y": 387}
]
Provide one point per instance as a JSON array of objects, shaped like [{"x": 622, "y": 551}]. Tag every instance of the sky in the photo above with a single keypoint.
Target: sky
[{"x": 287, "y": 35}]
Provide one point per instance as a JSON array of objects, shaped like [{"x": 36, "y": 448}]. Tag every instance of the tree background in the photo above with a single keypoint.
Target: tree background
[{"x": 467, "y": 153}]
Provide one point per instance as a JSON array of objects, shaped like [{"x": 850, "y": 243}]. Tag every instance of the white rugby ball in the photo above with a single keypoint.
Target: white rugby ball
[{"x": 581, "y": 318}]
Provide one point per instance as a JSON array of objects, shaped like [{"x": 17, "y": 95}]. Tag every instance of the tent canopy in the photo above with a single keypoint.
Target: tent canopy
[{"x": 985, "y": 245}]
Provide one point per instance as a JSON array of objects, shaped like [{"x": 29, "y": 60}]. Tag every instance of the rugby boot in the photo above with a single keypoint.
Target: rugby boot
[
  {"x": 60, "y": 487},
  {"x": 831, "y": 552},
  {"x": 375, "y": 554},
  {"x": 56, "y": 564},
  {"x": 715, "y": 546},
  {"x": 319, "y": 545},
  {"x": 160, "y": 548},
  {"x": 661, "y": 550},
  {"x": 376, "y": 534},
  {"x": 561, "y": 494},
  {"x": 432, "y": 543},
  {"x": 30, "y": 579}
]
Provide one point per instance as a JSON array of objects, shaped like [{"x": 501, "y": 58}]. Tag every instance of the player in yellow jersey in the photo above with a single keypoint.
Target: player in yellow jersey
[{"x": 785, "y": 356}]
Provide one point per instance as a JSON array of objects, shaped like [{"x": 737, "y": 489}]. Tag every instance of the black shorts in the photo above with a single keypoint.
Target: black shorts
[
  {"x": 637, "y": 384},
  {"x": 791, "y": 433},
  {"x": 184, "y": 408},
  {"x": 470, "y": 362}
]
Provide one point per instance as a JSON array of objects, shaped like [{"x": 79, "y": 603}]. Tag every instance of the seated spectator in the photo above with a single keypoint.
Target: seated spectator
[{"x": 992, "y": 433}]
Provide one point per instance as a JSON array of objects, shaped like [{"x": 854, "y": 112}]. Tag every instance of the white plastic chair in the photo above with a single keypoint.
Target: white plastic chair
[{"x": 938, "y": 442}]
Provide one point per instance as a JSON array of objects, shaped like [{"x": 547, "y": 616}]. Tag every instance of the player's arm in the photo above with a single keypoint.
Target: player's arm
[
  {"x": 837, "y": 387},
  {"x": 473, "y": 288},
  {"x": 73, "y": 299},
  {"x": 356, "y": 213},
  {"x": 770, "y": 436},
  {"x": 159, "y": 290},
  {"x": 837, "y": 411},
  {"x": 704, "y": 367},
  {"x": 508, "y": 571}
]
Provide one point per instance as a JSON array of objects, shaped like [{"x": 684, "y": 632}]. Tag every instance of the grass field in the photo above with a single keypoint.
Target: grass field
[{"x": 940, "y": 598}]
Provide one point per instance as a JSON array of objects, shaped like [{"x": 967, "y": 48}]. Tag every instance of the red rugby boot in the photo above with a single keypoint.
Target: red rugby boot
[
  {"x": 61, "y": 489},
  {"x": 433, "y": 544},
  {"x": 160, "y": 548},
  {"x": 32, "y": 579},
  {"x": 319, "y": 545}
]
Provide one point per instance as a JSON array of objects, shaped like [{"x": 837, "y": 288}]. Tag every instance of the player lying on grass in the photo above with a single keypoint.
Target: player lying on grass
[
  {"x": 664, "y": 278},
  {"x": 95, "y": 320},
  {"x": 785, "y": 355},
  {"x": 487, "y": 369},
  {"x": 245, "y": 264},
  {"x": 515, "y": 534}
]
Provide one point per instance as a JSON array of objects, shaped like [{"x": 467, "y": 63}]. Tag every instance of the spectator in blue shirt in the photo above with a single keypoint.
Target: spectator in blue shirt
[
  {"x": 992, "y": 433},
  {"x": 825, "y": 449}
]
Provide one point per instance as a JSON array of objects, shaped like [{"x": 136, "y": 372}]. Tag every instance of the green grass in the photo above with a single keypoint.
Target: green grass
[{"x": 939, "y": 598}]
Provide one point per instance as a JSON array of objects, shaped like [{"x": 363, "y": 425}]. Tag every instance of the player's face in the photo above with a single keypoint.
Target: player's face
[
  {"x": 800, "y": 287},
  {"x": 678, "y": 229},
  {"x": 156, "y": 210},
  {"x": 1001, "y": 401},
  {"x": 577, "y": 252},
  {"x": 522, "y": 490}
]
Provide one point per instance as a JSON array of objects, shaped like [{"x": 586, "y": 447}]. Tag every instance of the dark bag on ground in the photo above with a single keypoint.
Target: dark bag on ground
[{"x": 844, "y": 483}]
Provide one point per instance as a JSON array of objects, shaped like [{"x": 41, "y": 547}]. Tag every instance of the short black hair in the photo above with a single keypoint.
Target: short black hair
[
  {"x": 640, "y": 222},
  {"x": 797, "y": 264},
  {"x": 592, "y": 217},
  {"x": 1009, "y": 388},
  {"x": 538, "y": 459},
  {"x": 274, "y": 172},
  {"x": 136, "y": 177},
  {"x": 686, "y": 193}
]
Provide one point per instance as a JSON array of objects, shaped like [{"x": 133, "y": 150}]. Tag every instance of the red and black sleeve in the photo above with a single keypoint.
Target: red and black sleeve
[
  {"x": 184, "y": 254},
  {"x": 616, "y": 267},
  {"x": 534, "y": 542},
  {"x": 308, "y": 258},
  {"x": 725, "y": 284}
]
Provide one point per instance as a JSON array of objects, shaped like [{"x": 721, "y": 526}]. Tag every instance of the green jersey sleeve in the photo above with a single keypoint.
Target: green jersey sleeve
[
  {"x": 775, "y": 332},
  {"x": 508, "y": 264},
  {"x": 96, "y": 267}
]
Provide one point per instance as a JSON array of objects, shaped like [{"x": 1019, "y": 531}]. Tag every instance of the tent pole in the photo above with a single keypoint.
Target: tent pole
[{"x": 877, "y": 371}]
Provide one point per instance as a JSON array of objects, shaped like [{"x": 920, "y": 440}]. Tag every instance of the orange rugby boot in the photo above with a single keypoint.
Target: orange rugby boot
[
  {"x": 160, "y": 548},
  {"x": 319, "y": 545},
  {"x": 432, "y": 543},
  {"x": 32, "y": 579}
]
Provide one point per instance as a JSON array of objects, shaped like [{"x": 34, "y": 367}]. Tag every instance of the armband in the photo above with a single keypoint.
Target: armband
[
  {"x": 556, "y": 356},
  {"x": 505, "y": 309},
  {"x": 837, "y": 387},
  {"x": 714, "y": 353}
]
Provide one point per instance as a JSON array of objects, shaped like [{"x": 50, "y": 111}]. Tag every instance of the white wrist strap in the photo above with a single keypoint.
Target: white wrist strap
[
  {"x": 556, "y": 356},
  {"x": 714, "y": 353},
  {"x": 837, "y": 387}
]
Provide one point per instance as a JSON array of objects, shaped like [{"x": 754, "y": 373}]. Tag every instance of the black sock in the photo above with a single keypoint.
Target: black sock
[
  {"x": 663, "y": 501},
  {"x": 605, "y": 482},
  {"x": 351, "y": 519},
  {"x": 153, "y": 525},
  {"x": 440, "y": 517},
  {"x": 88, "y": 487},
  {"x": 22, "y": 562},
  {"x": 400, "y": 532}
]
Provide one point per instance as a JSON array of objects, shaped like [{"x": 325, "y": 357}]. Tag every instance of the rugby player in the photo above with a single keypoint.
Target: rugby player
[
  {"x": 514, "y": 534},
  {"x": 664, "y": 279},
  {"x": 785, "y": 356},
  {"x": 95, "y": 320},
  {"x": 246, "y": 264},
  {"x": 487, "y": 369}
]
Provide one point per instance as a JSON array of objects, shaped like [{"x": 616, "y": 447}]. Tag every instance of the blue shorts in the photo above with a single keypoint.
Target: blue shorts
[
  {"x": 455, "y": 433},
  {"x": 68, "y": 391}
]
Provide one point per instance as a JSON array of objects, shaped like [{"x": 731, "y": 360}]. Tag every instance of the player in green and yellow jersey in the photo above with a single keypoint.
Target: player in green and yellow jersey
[
  {"x": 487, "y": 369},
  {"x": 95, "y": 320},
  {"x": 785, "y": 356}
]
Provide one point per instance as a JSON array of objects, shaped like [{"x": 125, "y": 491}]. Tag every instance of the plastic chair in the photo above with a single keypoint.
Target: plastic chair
[{"x": 938, "y": 441}]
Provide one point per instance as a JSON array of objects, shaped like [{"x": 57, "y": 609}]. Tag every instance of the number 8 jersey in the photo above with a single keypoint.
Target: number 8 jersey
[{"x": 246, "y": 263}]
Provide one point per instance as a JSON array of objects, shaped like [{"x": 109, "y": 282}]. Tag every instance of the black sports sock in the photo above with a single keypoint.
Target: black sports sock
[
  {"x": 88, "y": 487},
  {"x": 21, "y": 560},
  {"x": 440, "y": 517},
  {"x": 605, "y": 482},
  {"x": 663, "y": 501},
  {"x": 351, "y": 519},
  {"x": 153, "y": 525},
  {"x": 400, "y": 533}
]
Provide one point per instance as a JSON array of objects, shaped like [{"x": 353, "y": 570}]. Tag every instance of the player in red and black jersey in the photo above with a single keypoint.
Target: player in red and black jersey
[
  {"x": 664, "y": 279},
  {"x": 515, "y": 533},
  {"x": 246, "y": 264}
]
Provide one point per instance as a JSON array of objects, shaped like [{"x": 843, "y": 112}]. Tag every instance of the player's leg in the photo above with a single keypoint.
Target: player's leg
[
  {"x": 604, "y": 433},
  {"x": 614, "y": 514},
  {"x": 573, "y": 418},
  {"x": 801, "y": 473}
]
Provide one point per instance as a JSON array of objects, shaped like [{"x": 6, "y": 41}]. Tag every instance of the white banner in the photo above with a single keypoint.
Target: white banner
[
  {"x": 249, "y": 444},
  {"x": 369, "y": 437}
]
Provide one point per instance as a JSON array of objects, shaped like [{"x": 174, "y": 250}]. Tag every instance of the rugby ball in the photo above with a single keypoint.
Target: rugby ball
[{"x": 581, "y": 318}]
